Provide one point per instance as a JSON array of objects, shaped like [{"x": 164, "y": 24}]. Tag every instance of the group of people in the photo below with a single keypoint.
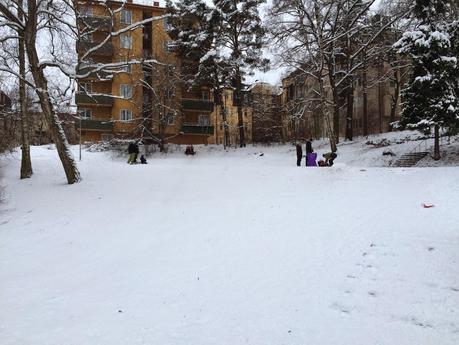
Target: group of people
[
  {"x": 311, "y": 156},
  {"x": 133, "y": 151}
]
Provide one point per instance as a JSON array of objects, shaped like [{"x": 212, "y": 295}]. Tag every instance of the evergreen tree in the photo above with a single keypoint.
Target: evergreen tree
[
  {"x": 219, "y": 46},
  {"x": 431, "y": 99},
  {"x": 239, "y": 42}
]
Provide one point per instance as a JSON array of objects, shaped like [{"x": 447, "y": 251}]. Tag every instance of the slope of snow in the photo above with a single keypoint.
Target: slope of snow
[{"x": 229, "y": 248}]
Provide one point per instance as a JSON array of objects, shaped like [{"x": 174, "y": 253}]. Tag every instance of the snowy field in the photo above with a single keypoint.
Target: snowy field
[{"x": 230, "y": 248}]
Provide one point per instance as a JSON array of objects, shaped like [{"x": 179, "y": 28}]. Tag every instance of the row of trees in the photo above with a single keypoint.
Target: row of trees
[{"x": 330, "y": 43}]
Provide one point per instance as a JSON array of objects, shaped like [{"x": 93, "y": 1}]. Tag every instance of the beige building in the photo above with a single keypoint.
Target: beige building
[
  {"x": 302, "y": 118},
  {"x": 228, "y": 110}
]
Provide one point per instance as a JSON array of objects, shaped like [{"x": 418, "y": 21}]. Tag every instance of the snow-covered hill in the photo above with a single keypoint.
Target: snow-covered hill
[{"x": 230, "y": 248}]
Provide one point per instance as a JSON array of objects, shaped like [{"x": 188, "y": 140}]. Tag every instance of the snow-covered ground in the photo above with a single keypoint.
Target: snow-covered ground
[{"x": 230, "y": 248}]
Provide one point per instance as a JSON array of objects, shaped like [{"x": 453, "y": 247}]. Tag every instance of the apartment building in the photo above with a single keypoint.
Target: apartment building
[
  {"x": 302, "y": 117},
  {"x": 226, "y": 112},
  {"x": 265, "y": 101},
  {"x": 129, "y": 85}
]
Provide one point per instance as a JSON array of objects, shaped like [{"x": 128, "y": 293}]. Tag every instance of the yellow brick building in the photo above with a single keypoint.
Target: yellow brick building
[{"x": 138, "y": 93}]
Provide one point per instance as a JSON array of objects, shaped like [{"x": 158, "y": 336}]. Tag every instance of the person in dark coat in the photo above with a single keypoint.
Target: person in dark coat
[
  {"x": 299, "y": 154},
  {"x": 136, "y": 151},
  {"x": 143, "y": 160},
  {"x": 189, "y": 150},
  {"x": 131, "y": 152},
  {"x": 309, "y": 146}
]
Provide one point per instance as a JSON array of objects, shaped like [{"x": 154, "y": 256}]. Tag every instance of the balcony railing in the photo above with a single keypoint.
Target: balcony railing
[
  {"x": 82, "y": 98},
  {"x": 99, "y": 75},
  {"x": 105, "y": 50},
  {"x": 88, "y": 124},
  {"x": 197, "y": 104},
  {"x": 98, "y": 23},
  {"x": 197, "y": 129}
]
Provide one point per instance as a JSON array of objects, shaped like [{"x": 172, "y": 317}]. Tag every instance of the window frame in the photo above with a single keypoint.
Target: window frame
[
  {"x": 85, "y": 111},
  {"x": 203, "y": 123},
  {"x": 125, "y": 112},
  {"x": 170, "y": 119},
  {"x": 169, "y": 46},
  {"x": 124, "y": 87},
  {"x": 124, "y": 18},
  {"x": 86, "y": 87},
  {"x": 125, "y": 38}
]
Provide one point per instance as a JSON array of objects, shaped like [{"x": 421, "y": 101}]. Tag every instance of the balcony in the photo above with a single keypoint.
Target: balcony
[
  {"x": 104, "y": 50},
  {"x": 98, "y": 23},
  {"x": 197, "y": 129},
  {"x": 102, "y": 100},
  {"x": 99, "y": 75},
  {"x": 98, "y": 125},
  {"x": 197, "y": 104}
]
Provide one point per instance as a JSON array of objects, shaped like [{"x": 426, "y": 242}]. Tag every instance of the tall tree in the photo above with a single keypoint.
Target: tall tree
[
  {"x": 26, "y": 163},
  {"x": 193, "y": 26},
  {"x": 430, "y": 99},
  {"x": 38, "y": 17},
  {"x": 241, "y": 34}
]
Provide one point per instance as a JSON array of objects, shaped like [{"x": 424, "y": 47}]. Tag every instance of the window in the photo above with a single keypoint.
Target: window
[
  {"x": 85, "y": 11},
  {"x": 203, "y": 120},
  {"x": 85, "y": 113},
  {"x": 169, "y": 46},
  {"x": 126, "y": 91},
  {"x": 125, "y": 41},
  {"x": 86, "y": 88},
  {"x": 205, "y": 95},
  {"x": 169, "y": 93},
  {"x": 126, "y": 17},
  {"x": 169, "y": 119},
  {"x": 169, "y": 71},
  {"x": 125, "y": 114},
  {"x": 167, "y": 24}
]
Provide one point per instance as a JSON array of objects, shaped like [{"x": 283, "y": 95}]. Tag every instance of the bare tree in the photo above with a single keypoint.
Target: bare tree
[{"x": 161, "y": 83}]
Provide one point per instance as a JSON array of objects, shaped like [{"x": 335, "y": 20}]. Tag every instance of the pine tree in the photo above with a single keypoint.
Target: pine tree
[
  {"x": 430, "y": 99},
  {"x": 240, "y": 34},
  {"x": 219, "y": 46}
]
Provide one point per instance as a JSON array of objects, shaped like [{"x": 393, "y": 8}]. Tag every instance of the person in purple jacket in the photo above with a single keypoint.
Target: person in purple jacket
[{"x": 311, "y": 159}]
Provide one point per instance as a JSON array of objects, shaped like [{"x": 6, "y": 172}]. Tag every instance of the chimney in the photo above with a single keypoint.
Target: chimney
[{"x": 156, "y": 3}]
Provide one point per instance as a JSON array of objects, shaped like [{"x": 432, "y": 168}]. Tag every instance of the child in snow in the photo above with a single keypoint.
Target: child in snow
[
  {"x": 329, "y": 158},
  {"x": 190, "y": 150},
  {"x": 311, "y": 159},
  {"x": 143, "y": 160}
]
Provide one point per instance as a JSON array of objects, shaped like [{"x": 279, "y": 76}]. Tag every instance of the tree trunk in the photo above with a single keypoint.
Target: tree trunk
[
  {"x": 437, "y": 143},
  {"x": 380, "y": 97},
  {"x": 350, "y": 112},
  {"x": 393, "y": 108},
  {"x": 41, "y": 88},
  {"x": 336, "y": 115},
  {"x": 365, "y": 100},
  {"x": 26, "y": 162},
  {"x": 240, "y": 120}
]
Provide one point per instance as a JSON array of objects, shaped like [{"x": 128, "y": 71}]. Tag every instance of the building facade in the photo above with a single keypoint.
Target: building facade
[
  {"x": 129, "y": 84},
  {"x": 303, "y": 118}
]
